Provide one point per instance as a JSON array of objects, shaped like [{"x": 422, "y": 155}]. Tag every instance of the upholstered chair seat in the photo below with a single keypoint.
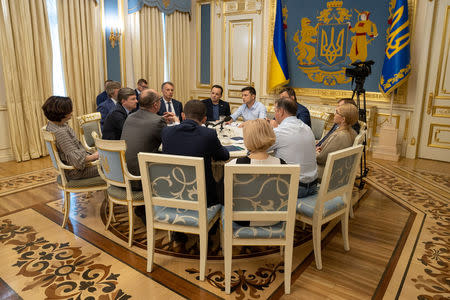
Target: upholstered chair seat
[
  {"x": 306, "y": 206},
  {"x": 81, "y": 183},
  {"x": 120, "y": 193},
  {"x": 186, "y": 217}
]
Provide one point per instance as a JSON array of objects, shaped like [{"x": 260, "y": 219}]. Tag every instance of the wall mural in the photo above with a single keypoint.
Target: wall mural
[{"x": 324, "y": 37}]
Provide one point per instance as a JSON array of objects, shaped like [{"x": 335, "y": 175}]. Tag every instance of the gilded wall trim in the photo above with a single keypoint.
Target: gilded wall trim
[{"x": 441, "y": 92}]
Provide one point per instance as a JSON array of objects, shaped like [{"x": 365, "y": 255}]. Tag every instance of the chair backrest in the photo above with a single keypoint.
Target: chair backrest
[
  {"x": 320, "y": 121},
  {"x": 339, "y": 175},
  {"x": 173, "y": 181},
  {"x": 89, "y": 123},
  {"x": 359, "y": 139},
  {"x": 50, "y": 143},
  {"x": 112, "y": 167},
  {"x": 260, "y": 192}
]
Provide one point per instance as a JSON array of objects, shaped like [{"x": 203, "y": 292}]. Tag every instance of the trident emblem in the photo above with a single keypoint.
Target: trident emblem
[{"x": 332, "y": 49}]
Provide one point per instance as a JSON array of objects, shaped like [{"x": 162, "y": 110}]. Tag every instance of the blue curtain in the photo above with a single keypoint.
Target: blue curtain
[{"x": 165, "y": 6}]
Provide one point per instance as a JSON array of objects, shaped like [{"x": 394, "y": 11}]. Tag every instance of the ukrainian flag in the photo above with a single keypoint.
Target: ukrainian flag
[
  {"x": 278, "y": 72},
  {"x": 397, "y": 66}
]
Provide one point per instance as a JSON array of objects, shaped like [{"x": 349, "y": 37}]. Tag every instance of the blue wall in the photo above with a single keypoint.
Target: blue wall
[
  {"x": 205, "y": 45},
  {"x": 112, "y": 54}
]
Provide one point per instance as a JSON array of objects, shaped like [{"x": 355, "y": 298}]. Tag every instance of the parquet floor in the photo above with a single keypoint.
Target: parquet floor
[{"x": 398, "y": 250}]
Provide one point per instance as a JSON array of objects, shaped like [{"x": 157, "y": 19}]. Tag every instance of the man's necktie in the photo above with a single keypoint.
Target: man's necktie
[{"x": 169, "y": 107}]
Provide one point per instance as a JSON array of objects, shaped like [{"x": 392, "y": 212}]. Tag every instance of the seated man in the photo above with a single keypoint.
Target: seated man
[
  {"x": 141, "y": 85},
  {"x": 356, "y": 126},
  {"x": 216, "y": 107},
  {"x": 102, "y": 96},
  {"x": 251, "y": 109},
  {"x": 142, "y": 131},
  {"x": 295, "y": 144},
  {"x": 168, "y": 104},
  {"x": 112, "y": 89},
  {"x": 112, "y": 128},
  {"x": 191, "y": 139},
  {"x": 302, "y": 112}
]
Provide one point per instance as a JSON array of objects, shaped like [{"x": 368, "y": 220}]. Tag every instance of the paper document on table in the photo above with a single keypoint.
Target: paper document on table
[{"x": 233, "y": 148}]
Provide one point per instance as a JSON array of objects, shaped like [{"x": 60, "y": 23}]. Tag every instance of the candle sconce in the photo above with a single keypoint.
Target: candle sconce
[{"x": 114, "y": 36}]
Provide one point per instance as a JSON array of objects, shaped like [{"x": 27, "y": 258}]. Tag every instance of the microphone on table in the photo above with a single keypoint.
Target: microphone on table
[{"x": 226, "y": 119}]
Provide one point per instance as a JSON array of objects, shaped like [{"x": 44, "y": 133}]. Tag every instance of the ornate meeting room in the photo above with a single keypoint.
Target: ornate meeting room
[{"x": 225, "y": 149}]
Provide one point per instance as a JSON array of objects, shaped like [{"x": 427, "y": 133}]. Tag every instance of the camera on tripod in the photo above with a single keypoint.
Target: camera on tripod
[{"x": 361, "y": 69}]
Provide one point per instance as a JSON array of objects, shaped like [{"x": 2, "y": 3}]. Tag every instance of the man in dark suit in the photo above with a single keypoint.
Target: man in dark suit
[
  {"x": 102, "y": 96},
  {"x": 112, "y": 128},
  {"x": 216, "y": 107},
  {"x": 112, "y": 89},
  {"x": 355, "y": 127},
  {"x": 302, "y": 112},
  {"x": 191, "y": 139},
  {"x": 141, "y": 85},
  {"x": 167, "y": 103},
  {"x": 142, "y": 132}
]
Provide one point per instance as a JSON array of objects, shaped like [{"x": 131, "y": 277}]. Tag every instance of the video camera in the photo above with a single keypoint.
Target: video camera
[{"x": 361, "y": 69}]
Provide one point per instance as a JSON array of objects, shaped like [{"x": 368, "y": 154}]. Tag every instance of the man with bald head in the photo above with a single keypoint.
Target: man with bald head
[{"x": 142, "y": 130}]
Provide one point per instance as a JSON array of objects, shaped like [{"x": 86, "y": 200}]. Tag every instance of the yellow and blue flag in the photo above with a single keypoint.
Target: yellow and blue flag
[
  {"x": 278, "y": 72},
  {"x": 397, "y": 66}
]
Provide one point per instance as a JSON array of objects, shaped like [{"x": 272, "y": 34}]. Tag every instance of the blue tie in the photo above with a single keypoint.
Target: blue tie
[{"x": 169, "y": 107}]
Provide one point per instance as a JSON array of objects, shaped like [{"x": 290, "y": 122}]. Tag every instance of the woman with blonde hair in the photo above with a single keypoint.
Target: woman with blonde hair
[
  {"x": 345, "y": 117},
  {"x": 258, "y": 138}
]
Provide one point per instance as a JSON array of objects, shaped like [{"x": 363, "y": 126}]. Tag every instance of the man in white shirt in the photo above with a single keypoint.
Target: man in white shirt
[
  {"x": 295, "y": 144},
  {"x": 251, "y": 109}
]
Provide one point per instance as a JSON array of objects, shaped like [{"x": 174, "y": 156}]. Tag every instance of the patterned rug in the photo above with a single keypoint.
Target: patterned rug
[
  {"x": 14, "y": 184},
  {"x": 260, "y": 278},
  {"x": 422, "y": 270}
]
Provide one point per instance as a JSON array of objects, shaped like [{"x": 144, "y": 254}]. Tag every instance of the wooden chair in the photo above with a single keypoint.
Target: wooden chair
[
  {"x": 320, "y": 122},
  {"x": 260, "y": 193},
  {"x": 88, "y": 124},
  {"x": 175, "y": 199},
  {"x": 334, "y": 197},
  {"x": 69, "y": 185},
  {"x": 113, "y": 169}
]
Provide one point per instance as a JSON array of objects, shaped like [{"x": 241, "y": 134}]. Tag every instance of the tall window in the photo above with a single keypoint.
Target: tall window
[
  {"x": 166, "y": 54},
  {"x": 58, "y": 75}
]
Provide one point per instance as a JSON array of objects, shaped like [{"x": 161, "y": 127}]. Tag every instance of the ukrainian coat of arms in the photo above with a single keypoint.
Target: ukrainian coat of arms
[{"x": 322, "y": 49}]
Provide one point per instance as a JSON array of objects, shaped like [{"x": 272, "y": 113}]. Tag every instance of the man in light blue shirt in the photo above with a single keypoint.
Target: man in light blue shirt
[
  {"x": 295, "y": 144},
  {"x": 251, "y": 109}
]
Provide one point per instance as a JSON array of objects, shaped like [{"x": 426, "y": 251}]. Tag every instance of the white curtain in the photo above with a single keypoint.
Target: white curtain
[
  {"x": 147, "y": 46},
  {"x": 79, "y": 25},
  {"x": 26, "y": 53},
  {"x": 178, "y": 49}
]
